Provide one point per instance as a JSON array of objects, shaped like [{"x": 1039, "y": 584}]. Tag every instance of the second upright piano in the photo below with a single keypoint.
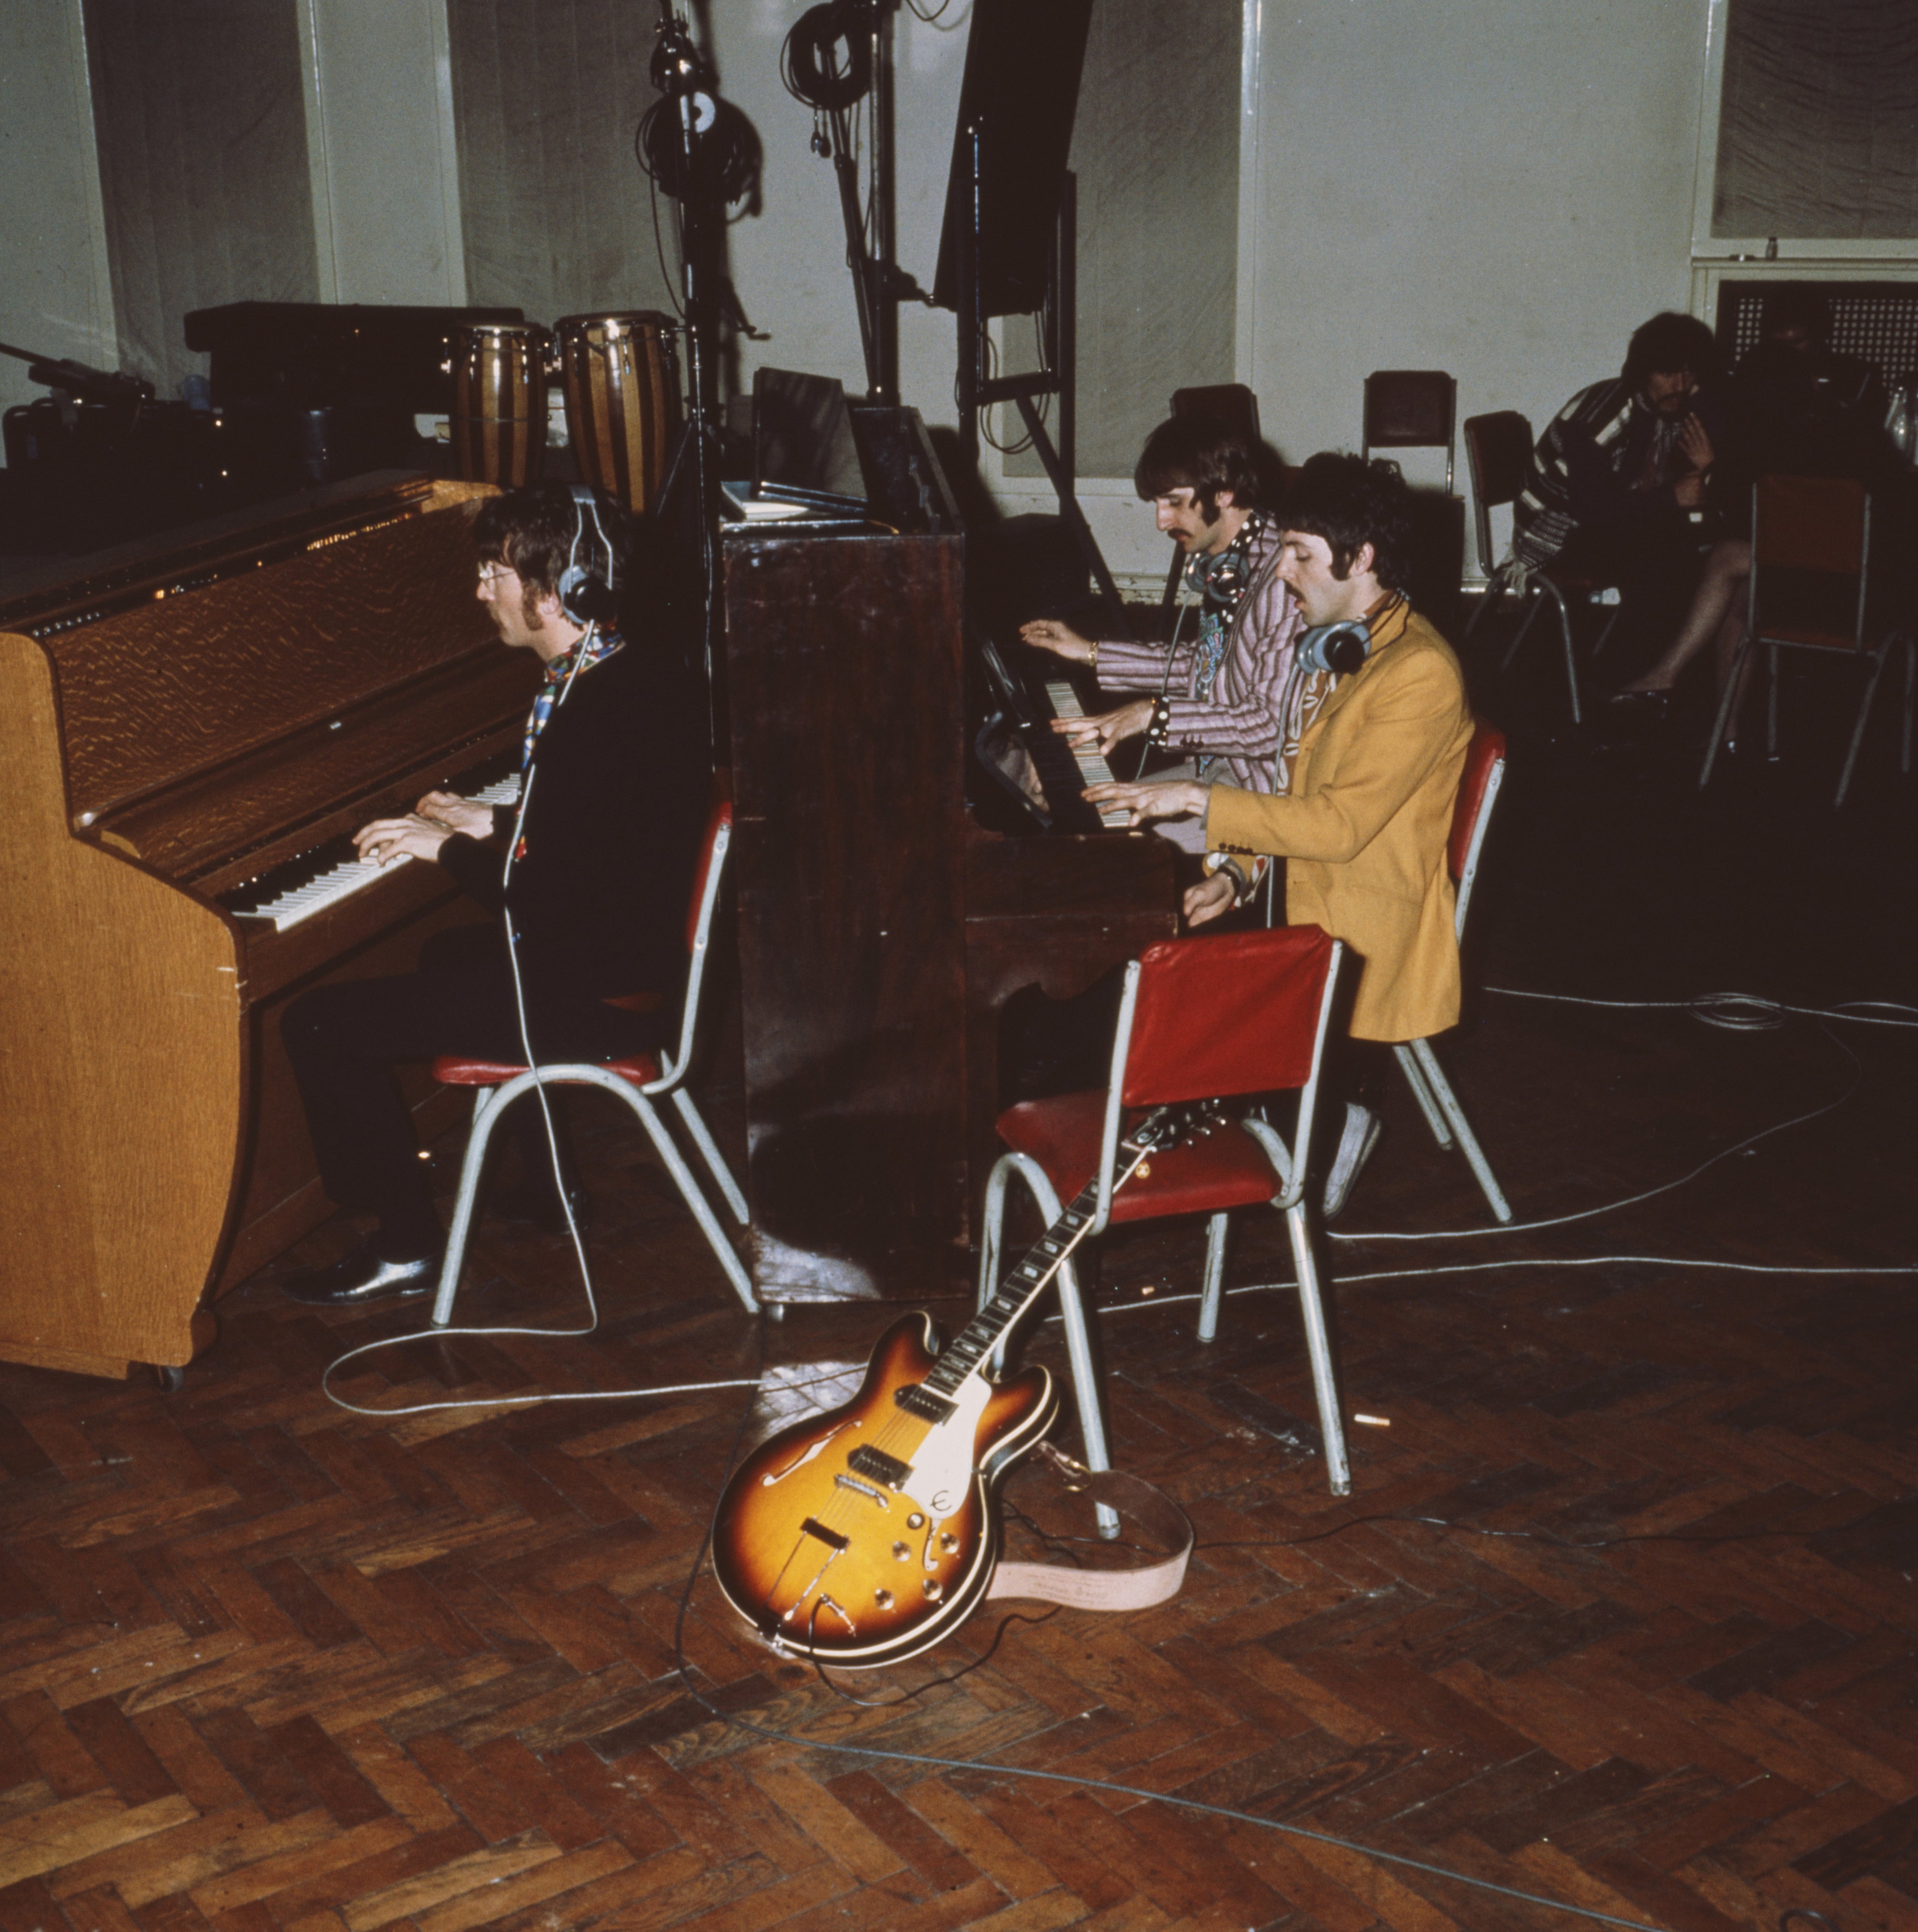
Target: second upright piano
[{"x": 189, "y": 734}]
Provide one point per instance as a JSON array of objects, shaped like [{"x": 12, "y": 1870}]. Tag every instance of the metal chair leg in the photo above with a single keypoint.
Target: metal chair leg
[
  {"x": 687, "y": 1183},
  {"x": 1496, "y": 587},
  {"x": 701, "y": 1137},
  {"x": 1533, "y": 603},
  {"x": 1864, "y": 718},
  {"x": 1422, "y": 1094},
  {"x": 1557, "y": 596},
  {"x": 1468, "y": 1141},
  {"x": 487, "y": 1107},
  {"x": 1212, "y": 1291},
  {"x": 1086, "y": 1386},
  {"x": 1318, "y": 1344},
  {"x": 1733, "y": 676},
  {"x": 1605, "y": 637},
  {"x": 1910, "y": 689},
  {"x": 1086, "y": 1382}
]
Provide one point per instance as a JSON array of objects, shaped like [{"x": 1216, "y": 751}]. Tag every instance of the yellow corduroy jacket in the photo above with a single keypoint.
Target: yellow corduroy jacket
[{"x": 1364, "y": 824}]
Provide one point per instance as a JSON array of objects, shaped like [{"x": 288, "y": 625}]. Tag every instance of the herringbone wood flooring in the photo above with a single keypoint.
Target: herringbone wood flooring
[{"x": 272, "y": 1665}]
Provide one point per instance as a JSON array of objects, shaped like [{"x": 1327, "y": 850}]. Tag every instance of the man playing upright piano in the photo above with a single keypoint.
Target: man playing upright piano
[
  {"x": 589, "y": 874},
  {"x": 1214, "y": 698}
]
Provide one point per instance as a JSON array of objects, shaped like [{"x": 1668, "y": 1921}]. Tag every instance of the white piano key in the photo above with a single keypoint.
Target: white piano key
[
  {"x": 1091, "y": 764},
  {"x": 355, "y": 875}
]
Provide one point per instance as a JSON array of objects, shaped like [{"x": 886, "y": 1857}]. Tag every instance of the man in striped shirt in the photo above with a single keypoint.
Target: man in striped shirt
[
  {"x": 1620, "y": 471},
  {"x": 1221, "y": 694}
]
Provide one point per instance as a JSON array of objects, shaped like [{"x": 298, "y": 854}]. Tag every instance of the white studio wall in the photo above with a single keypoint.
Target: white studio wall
[
  {"x": 788, "y": 263},
  {"x": 1489, "y": 187},
  {"x": 55, "y": 292},
  {"x": 381, "y": 151}
]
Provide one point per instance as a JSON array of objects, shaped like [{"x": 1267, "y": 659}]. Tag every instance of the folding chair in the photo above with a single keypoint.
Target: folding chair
[
  {"x": 1498, "y": 450},
  {"x": 1820, "y": 526},
  {"x": 1410, "y": 408},
  {"x": 1478, "y": 793},
  {"x": 1236, "y": 1015},
  {"x": 638, "y": 1081}
]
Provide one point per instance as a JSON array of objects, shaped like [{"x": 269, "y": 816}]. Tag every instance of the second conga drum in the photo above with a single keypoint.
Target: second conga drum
[
  {"x": 499, "y": 418},
  {"x": 621, "y": 376}
]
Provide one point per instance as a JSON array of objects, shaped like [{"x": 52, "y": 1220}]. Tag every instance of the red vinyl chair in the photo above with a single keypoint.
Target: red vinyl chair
[
  {"x": 1239, "y": 1014},
  {"x": 1478, "y": 793},
  {"x": 639, "y": 1081}
]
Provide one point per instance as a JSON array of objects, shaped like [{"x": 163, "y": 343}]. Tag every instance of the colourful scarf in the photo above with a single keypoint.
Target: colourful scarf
[{"x": 593, "y": 648}]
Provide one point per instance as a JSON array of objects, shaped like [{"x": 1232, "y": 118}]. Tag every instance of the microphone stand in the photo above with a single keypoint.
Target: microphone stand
[{"x": 680, "y": 73}]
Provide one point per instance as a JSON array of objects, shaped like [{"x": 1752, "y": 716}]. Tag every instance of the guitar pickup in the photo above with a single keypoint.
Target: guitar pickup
[
  {"x": 832, "y": 1540},
  {"x": 867, "y": 1461},
  {"x": 917, "y": 1399}
]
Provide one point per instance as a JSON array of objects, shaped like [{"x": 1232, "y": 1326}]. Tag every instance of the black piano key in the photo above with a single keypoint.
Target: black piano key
[
  {"x": 289, "y": 876},
  {"x": 1063, "y": 780}
]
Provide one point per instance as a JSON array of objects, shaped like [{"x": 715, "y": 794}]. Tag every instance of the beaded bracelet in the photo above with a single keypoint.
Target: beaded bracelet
[{"x": 1160, "y": 727}]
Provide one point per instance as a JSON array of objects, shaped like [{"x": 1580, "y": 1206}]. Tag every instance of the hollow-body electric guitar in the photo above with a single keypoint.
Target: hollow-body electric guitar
[{"x": 862, "y": 1535}]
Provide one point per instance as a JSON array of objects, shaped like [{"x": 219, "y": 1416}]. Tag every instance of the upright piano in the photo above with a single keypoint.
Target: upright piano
[
  {"x": 189, "y": 732},
  {"x": 881, "y": 928}
]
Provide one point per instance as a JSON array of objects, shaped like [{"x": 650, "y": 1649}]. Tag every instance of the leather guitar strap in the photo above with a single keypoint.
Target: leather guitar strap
[{"x": 1152, "y": 1509}]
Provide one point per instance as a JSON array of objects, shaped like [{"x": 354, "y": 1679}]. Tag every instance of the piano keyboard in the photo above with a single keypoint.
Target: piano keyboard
[
  {"x": 1092, "y": 765},
  {"x": 329, "y": 873}
]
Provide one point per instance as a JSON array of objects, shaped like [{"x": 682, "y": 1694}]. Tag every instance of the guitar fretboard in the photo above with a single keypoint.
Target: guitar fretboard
[{"x": 1047, "y": 1256}]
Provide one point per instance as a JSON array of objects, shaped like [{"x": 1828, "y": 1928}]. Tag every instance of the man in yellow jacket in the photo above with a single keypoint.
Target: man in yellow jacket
[{"x": 1363, "y": 808}]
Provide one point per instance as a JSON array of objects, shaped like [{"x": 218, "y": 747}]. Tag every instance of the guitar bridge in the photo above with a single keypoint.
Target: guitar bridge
[{"x": 832, "y": 1540}]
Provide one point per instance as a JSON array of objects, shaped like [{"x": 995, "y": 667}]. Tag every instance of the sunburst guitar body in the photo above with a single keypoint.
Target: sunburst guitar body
[{"x": 863, "y": 1535}]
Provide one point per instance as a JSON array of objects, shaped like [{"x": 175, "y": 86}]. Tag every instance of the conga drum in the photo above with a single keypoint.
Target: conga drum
[
  {"x": 498, "y": 419},
  {"x": 621, "y": 375}
]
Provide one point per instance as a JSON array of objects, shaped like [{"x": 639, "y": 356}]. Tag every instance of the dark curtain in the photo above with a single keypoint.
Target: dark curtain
[{"x": 1818, "y": 126}]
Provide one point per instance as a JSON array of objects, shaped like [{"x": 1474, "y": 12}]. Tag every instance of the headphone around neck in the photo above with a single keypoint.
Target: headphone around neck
[
  {"x": 1342, "y": 647},
  {"x": 586, "y": 589}
]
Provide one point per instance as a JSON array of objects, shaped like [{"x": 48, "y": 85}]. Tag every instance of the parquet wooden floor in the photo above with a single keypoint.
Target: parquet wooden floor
[{"x": 1620, "y": 1613}]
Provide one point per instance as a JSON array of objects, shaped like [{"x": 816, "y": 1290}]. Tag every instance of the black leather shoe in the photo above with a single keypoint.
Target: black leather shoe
[
  {"x": 1647, "y": 708},
  {"x": 360, "y": 1277}
]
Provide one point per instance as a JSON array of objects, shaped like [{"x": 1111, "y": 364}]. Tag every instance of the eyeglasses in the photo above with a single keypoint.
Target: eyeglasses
[{"x": 491, "y": 573}]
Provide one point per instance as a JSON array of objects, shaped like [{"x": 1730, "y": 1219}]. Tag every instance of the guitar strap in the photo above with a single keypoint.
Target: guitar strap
[{"x": 1137, "y": 1589}]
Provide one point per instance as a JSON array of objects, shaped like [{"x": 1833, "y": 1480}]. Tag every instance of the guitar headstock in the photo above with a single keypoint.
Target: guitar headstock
[{"x": 1166, "y": 1126}]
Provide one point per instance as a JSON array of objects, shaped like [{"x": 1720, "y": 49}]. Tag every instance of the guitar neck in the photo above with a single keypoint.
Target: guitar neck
[{"x": 1015, "y": 1294}]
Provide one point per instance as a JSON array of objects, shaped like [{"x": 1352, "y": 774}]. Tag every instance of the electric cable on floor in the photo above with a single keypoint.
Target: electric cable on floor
[
  {"x": 1399, "y": 1859},
  {"x": 1740, "y": 1011}
]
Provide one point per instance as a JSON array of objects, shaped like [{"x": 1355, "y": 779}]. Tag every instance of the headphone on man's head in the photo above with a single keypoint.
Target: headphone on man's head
[
  {"x": 1343, "y": 647},
  {"x": 586, "y": 590}
]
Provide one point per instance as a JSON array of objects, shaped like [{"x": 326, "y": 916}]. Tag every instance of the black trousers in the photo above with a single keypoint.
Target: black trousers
[
  {"x": 343, "y": 1039},
  {"x": 1653, "y": 560}
]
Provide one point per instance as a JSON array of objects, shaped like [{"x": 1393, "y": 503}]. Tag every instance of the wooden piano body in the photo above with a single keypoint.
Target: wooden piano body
[
  {"x": 881, "y": 930},
  {"x": 172, "y": 724}
]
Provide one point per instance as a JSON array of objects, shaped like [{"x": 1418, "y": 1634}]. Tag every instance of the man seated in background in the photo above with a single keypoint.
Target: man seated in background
[
  {"x": 1215, "y": 697},
  {"x": 1362, "y": 809},
  {"x": 1618, "y": 479},
  {"x": 614, "y": 782},
  {"x": 1793, "y": 408}
]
